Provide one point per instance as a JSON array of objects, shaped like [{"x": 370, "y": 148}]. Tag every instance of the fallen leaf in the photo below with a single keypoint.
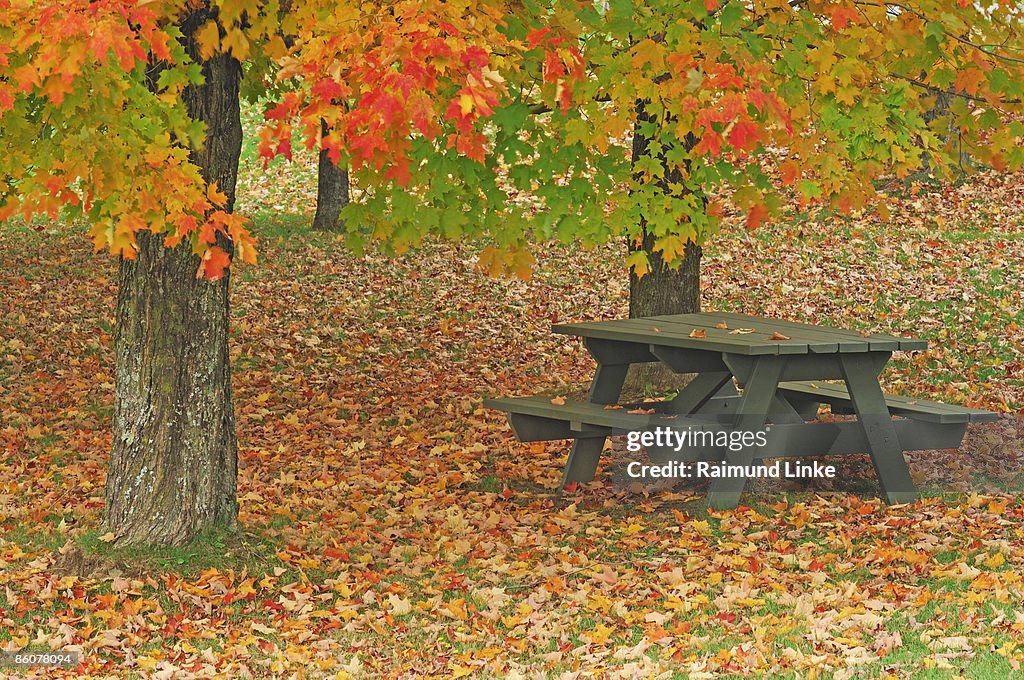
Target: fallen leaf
[
  {"x": 558, "y": 401},
  {"x": 778, "y": 336},
  {"x": 741, "y": 331},
  {"x": 722, "y": 325},
  {"x": 697, "y": 333}
]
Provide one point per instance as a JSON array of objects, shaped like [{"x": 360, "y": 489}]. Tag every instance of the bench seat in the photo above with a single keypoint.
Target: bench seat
[
  {"x": 838, "y": 397},
  {"x": 537, "y": 419}
]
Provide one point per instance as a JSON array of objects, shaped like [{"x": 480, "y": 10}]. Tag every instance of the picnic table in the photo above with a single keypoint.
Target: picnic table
[{"x": 781, "y": 368}]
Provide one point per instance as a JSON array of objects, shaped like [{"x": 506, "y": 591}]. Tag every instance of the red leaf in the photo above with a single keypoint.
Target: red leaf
[
  {"x": 843, "y": 15},
  {"x": 744, "y": 135}
]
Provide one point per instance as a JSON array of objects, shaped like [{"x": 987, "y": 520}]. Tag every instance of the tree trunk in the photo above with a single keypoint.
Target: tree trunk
[
  {"x": 331, "y": 193},
  {"x": 664, "y": 289},
  {"x": 174, "y": 458}
]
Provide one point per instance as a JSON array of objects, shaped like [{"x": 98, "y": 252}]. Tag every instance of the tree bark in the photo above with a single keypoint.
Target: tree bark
[
  {"x": 664, "y": 289},
  {"x": 331, "y": 193},
  {"x": 174, "y": 457}
]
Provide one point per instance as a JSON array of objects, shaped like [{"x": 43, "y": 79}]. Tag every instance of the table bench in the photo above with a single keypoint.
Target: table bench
[{"x": 781, "y": 367}]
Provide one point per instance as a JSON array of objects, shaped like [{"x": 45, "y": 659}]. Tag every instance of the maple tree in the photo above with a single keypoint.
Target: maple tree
[
  {"x": 722, "y": 100},
  {"x": 506, "y": 120},
  {"x": 126, "y": 114}
]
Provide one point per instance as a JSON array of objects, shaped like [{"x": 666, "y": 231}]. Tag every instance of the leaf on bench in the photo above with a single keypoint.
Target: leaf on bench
[
  {"x": 741, "y": 331},
  {"x": 698, "y": 333},
  {"x": 778, "y": 336},
  {"x": 612, "y": 407},
  {"x": 558, "y": 401},
  {"x": 721, "y": 325},
  {"x": 643, "y": 411}
]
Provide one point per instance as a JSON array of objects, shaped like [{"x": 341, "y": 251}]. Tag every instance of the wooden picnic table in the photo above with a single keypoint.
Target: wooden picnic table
[{"x": 781, "y": 367}]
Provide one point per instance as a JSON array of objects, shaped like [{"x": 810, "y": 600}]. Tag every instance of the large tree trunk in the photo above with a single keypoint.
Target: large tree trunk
[
  {"x": 331, "y": 193},
  {"x": 664, "y": 289},
  {"x": 174, "y": 459}
]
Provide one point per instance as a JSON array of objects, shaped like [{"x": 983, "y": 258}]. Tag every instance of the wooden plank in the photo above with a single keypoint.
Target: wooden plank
[
  {"x": 877, "y": 341},
  {"x": 874, "y": 420},
  {"x": 586, "y": 413},
  {"x": 699, "y": 391},
  {"x": 753, "y": 410},
  {"x": 585, "y": 454},
  {"x": 614, "y": 352},
  {"x": 640, "y": 330},
  {"x": 922, "y": 409},
  {"x": 817, "y": 342}
]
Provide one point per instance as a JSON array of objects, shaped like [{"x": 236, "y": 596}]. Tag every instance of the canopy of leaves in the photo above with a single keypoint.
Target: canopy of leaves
[{"x": 506, "y": 119}]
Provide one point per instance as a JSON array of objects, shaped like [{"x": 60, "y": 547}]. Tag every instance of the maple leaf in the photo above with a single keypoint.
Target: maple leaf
[
  {"x": 214, "y": 263},
  {"x": 756, "y": 215},
  {"x": 842, "y": 15},
  {"x": 208, "y": 39},
  {"x": 968, "y": 80},
  {"x": 744, "y": 135}
]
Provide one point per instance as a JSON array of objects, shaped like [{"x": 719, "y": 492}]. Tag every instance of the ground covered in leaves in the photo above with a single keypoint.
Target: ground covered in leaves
[{"x": 395, "y": 528}]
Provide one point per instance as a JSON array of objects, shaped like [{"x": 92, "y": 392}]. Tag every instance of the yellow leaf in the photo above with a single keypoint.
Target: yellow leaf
[
  {"x": 639, "y": 262},
  {"x": 215, "y": 195},
  {"x": 236, "y": 43},
  {"x": 146, "y": 663},
  {"x": 996, "y": 560},
  {"x": 107, "y": 537},
  {"x": 208, "y": 39}
]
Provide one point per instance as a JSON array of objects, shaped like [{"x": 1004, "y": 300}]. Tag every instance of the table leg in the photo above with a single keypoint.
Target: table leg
[
  {"x": 751, "y": 415},
  {"x": 861, "y": 375},
  {"x": 585, "y": 453}
]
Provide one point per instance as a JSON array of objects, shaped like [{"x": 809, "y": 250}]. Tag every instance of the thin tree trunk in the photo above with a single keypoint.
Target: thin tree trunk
[
  {"x": 664, "y": 289},
  {"x": 331, "y": 193},
  {"x": 174, "y": 459}
]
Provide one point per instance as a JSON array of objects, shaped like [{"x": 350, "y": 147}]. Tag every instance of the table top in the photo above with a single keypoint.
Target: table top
[{"x": 738, "y": 334}]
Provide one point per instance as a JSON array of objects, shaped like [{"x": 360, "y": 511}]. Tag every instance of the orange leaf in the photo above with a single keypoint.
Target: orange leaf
[
  {"x": 778, "y": 336},
  {"x": 968, "y": 80},
  {"x": 722, "y": 325},
  {"x": 842, "y": 15},
  {"x": 558, "y": 401},
  {"x": 215, "y": 261},
  {"x": 756, "y": 215},
  {"x": 697, "y": 333}
]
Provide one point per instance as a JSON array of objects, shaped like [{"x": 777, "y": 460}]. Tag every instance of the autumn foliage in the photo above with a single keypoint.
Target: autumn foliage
[{"x": 507, "y": 119}]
